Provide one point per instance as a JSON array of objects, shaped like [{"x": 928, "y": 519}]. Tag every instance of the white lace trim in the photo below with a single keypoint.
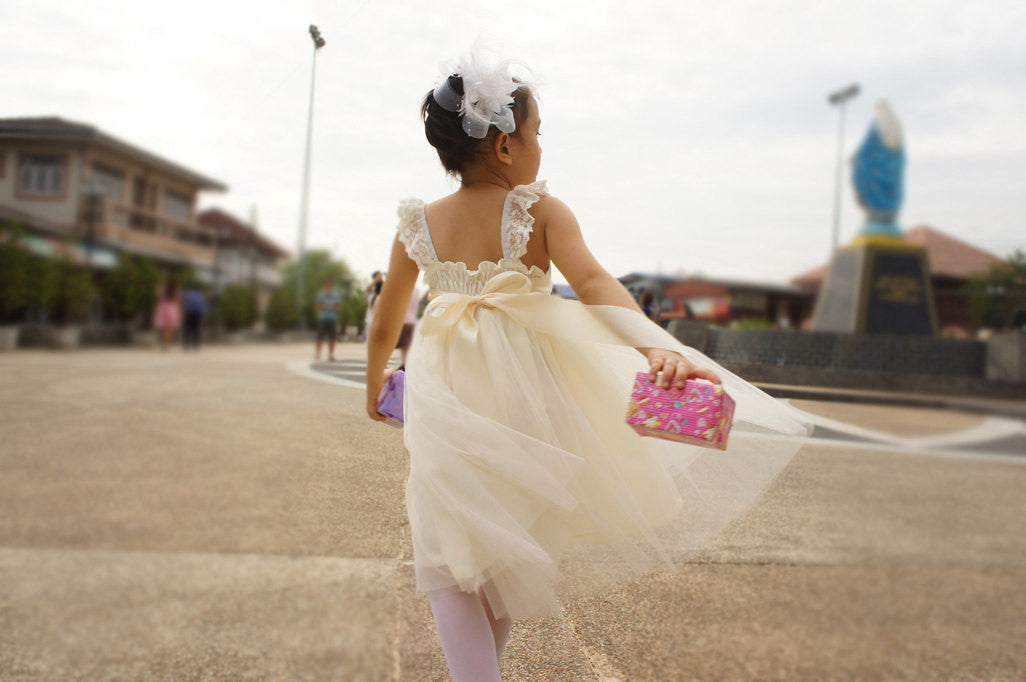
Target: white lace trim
[
  {"x": 517, "y": 225},
  {"x": 414, "y": 235},
  {"x": 450, "y": 276},
  {"x": 517, "y": 222}
]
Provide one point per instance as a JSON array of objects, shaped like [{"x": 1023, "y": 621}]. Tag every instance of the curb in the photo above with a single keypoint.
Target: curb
[{"x": 1007, "y": 408}]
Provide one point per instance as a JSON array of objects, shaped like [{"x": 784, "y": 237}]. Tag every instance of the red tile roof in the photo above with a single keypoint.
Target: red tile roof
[
  {"x": 693, "y": 288},
  {"x": 238, "y": 231},
  {"x": 949, "y": 257}
]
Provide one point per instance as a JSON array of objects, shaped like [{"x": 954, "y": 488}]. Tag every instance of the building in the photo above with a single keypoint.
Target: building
[
  {"x": 243, "y": 256},
  {"x": 639, "y": 282},
  {"x": 720, "y": 301},
  {"x": 80, "y": 191},
  {"x": 724, "y": 301},
  {"x": 952, "y": 263}
]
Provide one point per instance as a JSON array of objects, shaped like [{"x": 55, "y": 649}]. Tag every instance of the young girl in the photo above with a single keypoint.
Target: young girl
[
  {"x": 167, "y": 314},
  {"x": 519, "y": 455}
]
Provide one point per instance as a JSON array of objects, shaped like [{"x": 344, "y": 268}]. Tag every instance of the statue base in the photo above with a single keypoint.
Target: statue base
[{"x": 877, "y": 285}]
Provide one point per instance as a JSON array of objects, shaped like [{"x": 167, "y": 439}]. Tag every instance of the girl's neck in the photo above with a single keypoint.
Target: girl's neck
[{"x": 481, "y": 176}]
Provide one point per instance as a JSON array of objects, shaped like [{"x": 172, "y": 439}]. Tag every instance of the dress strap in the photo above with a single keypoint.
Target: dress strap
[
  {"x": 413, "y": 233},
  {"x": 517, "y": 222}
]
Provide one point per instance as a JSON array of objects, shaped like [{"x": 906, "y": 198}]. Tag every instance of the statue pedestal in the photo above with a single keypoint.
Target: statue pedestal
[{"x": 877, "y": 285}]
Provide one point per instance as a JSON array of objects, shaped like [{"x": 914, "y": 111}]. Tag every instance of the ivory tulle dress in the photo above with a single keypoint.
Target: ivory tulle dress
[{"x": 521, "y": 464}]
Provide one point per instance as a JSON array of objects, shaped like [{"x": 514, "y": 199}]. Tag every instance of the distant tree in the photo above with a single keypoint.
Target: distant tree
[
  {"x": 187, "y": 277},
  {"x": 14, "y": 271},
  {"x": 354, "y": 311},
  {"x": 317, "y": 266},
  {"x": 129, "y": 290},
  {"x": 41, "y": 287},
  {"x": 237, "y": 307},
  {"x": 996, "y": 294},
  {"x": 75, "y": 294},
  {"x": 281, "y": 313},
  {"x": 148, "y": 277}
]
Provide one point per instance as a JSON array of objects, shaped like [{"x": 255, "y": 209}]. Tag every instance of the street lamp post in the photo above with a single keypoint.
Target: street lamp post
[
  {"x": 252, "y": 247},
  {"x": 94, "y": 212},
  {"x": 839, "y": 99},
  {"x": 222, "y": 239},
  {"x": 318, "y": 43},
  {"x": 94, "y": 215}
]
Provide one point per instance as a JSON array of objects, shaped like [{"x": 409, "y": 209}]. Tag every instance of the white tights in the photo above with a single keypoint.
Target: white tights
[{"x": 472, "y": 638}]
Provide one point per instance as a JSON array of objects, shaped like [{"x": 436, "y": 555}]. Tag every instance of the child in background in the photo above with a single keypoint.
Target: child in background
[
  {"x": 515, "y": 399},
  {"x": 327, "y": 302},
  {"x": 167, "y": 315}
]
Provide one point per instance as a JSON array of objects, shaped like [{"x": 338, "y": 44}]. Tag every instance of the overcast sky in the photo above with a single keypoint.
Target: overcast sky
[{"x": 688, "y": 137}]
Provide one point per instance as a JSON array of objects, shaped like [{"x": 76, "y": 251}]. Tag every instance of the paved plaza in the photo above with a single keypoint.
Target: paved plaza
[{"x": 233, "y": 515}]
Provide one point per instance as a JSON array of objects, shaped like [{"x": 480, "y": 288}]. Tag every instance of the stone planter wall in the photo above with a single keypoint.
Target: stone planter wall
[
  {"x": 9, "y": 337},
  {"x": 865, "y": 361}
]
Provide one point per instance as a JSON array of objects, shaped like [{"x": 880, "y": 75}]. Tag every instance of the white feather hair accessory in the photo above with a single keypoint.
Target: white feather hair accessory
[{"x": 488, "y": 88}]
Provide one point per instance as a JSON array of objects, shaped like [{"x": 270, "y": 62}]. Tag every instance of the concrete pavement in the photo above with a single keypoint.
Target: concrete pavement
[{"x": 215, "y": 516}]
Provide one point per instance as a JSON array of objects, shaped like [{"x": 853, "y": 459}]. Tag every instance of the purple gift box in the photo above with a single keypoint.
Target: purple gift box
[{"x": 390, "y": 400}]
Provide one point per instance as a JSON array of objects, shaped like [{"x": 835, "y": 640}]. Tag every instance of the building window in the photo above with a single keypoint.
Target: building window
[
  {"x": 41, "y": 175},
  {"x": 177, "y": 206},
  {"x": 108, "y": 181}
]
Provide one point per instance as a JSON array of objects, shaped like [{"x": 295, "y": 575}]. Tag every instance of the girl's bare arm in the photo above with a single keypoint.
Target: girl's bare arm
[
  {"x": 594, "y": 286},
  {"x": 387, "y": 322}
]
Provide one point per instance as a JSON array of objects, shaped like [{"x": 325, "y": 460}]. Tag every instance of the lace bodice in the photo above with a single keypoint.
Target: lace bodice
[{"x": 447, "y": 276}]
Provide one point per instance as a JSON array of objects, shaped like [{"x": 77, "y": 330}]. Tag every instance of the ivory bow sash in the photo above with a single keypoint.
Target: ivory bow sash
[{"x": 509, "y": 291}]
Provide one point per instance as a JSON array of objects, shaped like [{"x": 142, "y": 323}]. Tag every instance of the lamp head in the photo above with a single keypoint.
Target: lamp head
[
  {"x": 315, "y": 35},
  {"x": 843, "y": 95}
]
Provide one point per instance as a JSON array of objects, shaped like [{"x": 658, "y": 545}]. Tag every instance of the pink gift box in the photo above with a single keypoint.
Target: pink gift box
[
  {"x": 390, "y": 399},
  {"x": 700, "y": 413}
]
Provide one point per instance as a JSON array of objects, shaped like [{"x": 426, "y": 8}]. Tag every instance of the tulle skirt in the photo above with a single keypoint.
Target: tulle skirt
[{"x": 523, "y": 472}]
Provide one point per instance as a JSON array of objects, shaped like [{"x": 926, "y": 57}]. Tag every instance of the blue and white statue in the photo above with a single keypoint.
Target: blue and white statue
[{"x": 879, "y": 167}]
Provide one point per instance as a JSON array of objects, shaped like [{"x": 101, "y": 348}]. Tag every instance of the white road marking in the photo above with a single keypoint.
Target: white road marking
[{"x": 303, "y": 369}]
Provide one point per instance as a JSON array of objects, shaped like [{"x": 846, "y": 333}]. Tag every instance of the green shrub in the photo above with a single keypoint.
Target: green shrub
[
  {"x": 281, "y": 313},
  {"x": 74, "y": 296},
  {"x": 42, "y": 285},
  {"x": 237, "y": 307},
  {"x": 752, "y": 323},
  {"x": 995, "y": 294},
  {"x": 14, "y": 272},
  {"x": 354, "y": 310},
  {"x": 129, "y": 290}
]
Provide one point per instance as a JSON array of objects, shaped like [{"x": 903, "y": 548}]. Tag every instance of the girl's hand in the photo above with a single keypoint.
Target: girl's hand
[
  {"x": 372, "y": 396},
  {"x": 675, "y": 368}
]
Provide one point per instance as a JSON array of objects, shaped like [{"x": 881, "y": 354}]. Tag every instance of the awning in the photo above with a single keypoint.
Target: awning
[
  {"x": 40, "y": 246},
  {"x": 96, "y": 256}
]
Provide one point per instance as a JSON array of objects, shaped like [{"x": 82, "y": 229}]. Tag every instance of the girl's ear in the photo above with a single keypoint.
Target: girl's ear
[{"x": 502, "y": 149}]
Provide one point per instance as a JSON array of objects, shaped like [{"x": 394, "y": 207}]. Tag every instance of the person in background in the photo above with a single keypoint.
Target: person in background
[
  {"x": 327, "y": 303},
  {"x": 167, "y": 315},
  {"x": 647, "y": 302},
  {"x": 194, "y": 306},
  {"x": 406, "y": 335},
  {"x": 371, "y": 292}
]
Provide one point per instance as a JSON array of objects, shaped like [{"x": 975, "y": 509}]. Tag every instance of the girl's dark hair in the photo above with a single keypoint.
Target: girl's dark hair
[{"x": 444, "y": 129}]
